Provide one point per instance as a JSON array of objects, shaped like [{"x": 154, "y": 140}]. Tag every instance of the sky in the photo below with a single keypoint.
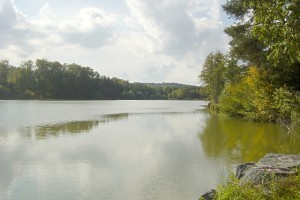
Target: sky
[{"x": 136, "y": 40}]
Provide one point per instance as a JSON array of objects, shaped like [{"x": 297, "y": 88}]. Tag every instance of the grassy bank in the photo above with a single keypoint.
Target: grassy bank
[{"x": 283, "y": 188}]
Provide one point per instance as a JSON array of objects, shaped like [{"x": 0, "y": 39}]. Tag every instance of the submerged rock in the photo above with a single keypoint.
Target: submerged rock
[{"x": 272, "y": 165}]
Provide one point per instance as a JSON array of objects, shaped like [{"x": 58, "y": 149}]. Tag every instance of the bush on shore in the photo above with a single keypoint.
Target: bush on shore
[
  {"x": 255, "y": 99},
  {"x": 287, "y": 188}
]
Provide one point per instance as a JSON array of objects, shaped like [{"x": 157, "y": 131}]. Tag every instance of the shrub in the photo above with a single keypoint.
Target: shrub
[
  {"x": 254, "y": 98},
  {"x": 287, "y": 188},
  {"x": 287, "y": 104},
  {"x": 233, "y": 190},
  {"x": 251, "y": 98}
]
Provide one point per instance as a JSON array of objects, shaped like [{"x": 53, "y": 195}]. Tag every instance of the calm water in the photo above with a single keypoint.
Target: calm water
[{"x": 131, "y": 150}]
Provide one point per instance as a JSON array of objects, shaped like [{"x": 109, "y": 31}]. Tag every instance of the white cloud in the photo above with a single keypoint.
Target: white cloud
[
  {"x": 176, "y": 28},
  {"x": 92, "y": 28},
  {"x": 165, "y": 24},
  {"x": 154, "y": 40}
]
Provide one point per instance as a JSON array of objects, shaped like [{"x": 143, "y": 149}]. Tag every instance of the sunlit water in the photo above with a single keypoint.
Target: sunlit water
[{"x": 131, "y": 150}]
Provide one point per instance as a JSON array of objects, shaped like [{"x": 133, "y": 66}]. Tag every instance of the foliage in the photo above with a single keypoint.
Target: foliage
[
  {"x": 233, "y": 190},
  {"x": 186, "y": 94},
  {"x": 284, "y": 188},
  {"x": 213, "y": 75},
  {"x": 244, "y": 46},
  {"x": 254, "y": 98},
  {"x": 265, "y": 35},
  {"x": 251, "y": 98},
  {"x": 272, "y": 26},
  {"x": 286, "y": 103},
  {"x": 45, "y": 79},
  {"x": 277, "y": 189},
  {"x": 276, "y": 23}
]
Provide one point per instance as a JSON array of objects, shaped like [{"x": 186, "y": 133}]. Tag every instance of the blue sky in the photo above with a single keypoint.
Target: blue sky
[{"x": 136, "y": 40}]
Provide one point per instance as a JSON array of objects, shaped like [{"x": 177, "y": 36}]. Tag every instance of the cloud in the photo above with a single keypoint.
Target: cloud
[
  {"x": 176, "y": 27},
  {"x": 158, "y": 40},
  {"x": 14, "y": 31},
  {"x": 7, "y": 16},
  {"x": 154, "y": 73},
  {"x": 92, "y": 28},
  {"x": 165, "y": 26}
]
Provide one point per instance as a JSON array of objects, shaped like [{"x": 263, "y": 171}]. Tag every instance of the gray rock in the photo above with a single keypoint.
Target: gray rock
[
  {"x": 208, "y": 195},
  {"x": 271, "y": 165},
  {"x": 281, "y": 160},
  {"x": 241, "y": 169}
]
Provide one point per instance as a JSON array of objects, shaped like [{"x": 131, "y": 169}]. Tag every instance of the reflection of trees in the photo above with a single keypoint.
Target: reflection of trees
[
  {"x": 66, "y": 128},
  {"x": 73, "y": 127},
  {"x": 245, "y": 141},
  {"x": 115, "y": 117}
]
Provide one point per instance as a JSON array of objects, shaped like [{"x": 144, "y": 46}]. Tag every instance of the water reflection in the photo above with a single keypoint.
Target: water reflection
[
  {"x": 149, "y": 156},
  {"x": 77, "y": 127},
  {"x": 152, "y": 154},
  {"x": 241, "y": 141},
  {"x": 69, "y": 128}
]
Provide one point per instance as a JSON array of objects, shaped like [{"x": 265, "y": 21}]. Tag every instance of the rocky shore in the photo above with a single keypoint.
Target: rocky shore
[{"x": 269, "y": 167}]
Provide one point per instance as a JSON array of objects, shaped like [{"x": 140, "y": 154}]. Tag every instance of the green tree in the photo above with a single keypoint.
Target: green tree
[
  {"x": 213, "y": 74},
  {"x": 25, "y": 80},
  {"x": 266, "y": 34},
  {"x": 244, "y": 46},
  {"x": 45, "y": 79},
  {"x": 50, "y": 78},
  {"x": 276, "y": 23},
  {"x": 249, "y": 98},
  {"x": 4, "y": 70}
]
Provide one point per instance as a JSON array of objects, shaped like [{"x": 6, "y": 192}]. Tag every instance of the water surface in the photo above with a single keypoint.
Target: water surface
[{"x": 131, "y": 150}]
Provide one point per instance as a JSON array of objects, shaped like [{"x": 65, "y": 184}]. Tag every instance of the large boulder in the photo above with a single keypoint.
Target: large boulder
[{"x": 272, "y": 165}]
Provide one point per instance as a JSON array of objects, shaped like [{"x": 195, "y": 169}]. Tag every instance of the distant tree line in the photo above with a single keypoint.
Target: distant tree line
[
  {"x": 45, "y": 79},
  {"x": 259, "y": 79}
]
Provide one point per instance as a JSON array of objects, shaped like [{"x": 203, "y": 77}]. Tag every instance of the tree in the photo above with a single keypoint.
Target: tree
[
  {"x": 249, "y": 98},
  {"x": 4, "y": 68},
  {"x": 213, "y": 74},
  {"x": 266, "y": 34},
  {"x": 276, "y": 23},
  {"x": 25, "y": 80},
  {"x": 244, "y": 46},
  {"x": 45, "y": 79}
]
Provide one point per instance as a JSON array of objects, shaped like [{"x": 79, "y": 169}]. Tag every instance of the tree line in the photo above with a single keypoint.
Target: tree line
[
  {"x": 259, "y": 79},
  {"x": 45, "y": 79}
]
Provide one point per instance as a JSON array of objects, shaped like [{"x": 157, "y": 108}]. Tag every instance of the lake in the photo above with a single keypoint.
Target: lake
[{"x": 131, "y": 150}]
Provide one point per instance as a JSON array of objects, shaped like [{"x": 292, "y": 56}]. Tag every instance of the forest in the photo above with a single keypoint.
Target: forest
[
  {"x": 45, "y": 79},
  {"x": 259, "y": 79}
]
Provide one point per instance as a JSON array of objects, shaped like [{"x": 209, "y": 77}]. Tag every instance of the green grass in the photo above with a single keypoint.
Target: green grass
[{"x": 278, "y": 189}]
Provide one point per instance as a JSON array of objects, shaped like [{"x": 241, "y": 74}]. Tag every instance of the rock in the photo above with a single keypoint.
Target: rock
[
  {"x": 269, "y": 167},
  {"x": 208, "y": 195},
  {"x": 241, "y": 169},
  {"x": 281, "y": 160},
  {"x": 272, "y": 165}
]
